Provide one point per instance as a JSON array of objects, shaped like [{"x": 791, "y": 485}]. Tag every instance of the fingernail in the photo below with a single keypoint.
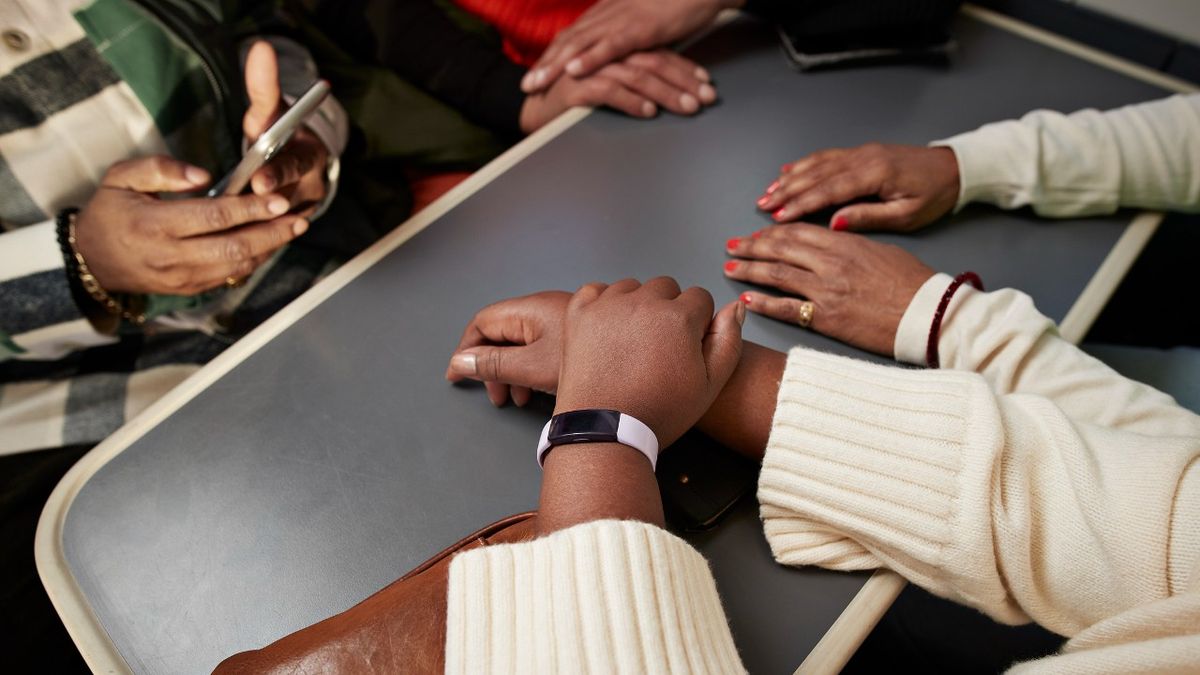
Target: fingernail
[
  {"x": 756, "y": 235},
  {"x": 778, "y": 215},
  {"x": 772, "y": 187},
  {"x": 648, "y": 109},
  {"x": 745, "y": 298},
  {"x": 733, "y": 243},
  {"x": 762, "y": 201},
  {"x": 539, "y": 76},
  {"x": 739, "y": 312},
  {"x": 277, "y": 205},
  {"x": 267, "y": 183},
  {"x": 785, "y": 168},
  {"x": 195, "y": 175},
  {"x": 463, "y": 364},
  {"x": 300, "y": 227},
  {"x": 707, "y": 93},
  {"x": 701, "y": 74},
  {"x": 527, "y": 81},
  {"x": 731, "y": 266},
  {"x": 839, "y": 223},
  {"x": 575, "y": 67},
  {"x": 689, "y": 103}
]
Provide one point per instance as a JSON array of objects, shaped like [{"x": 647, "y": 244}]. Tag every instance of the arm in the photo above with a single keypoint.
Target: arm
[
  {"x": 999, "y": 501},
  {"x": 1088, "y": 162},
  {"x": 1016, "y": 349}
]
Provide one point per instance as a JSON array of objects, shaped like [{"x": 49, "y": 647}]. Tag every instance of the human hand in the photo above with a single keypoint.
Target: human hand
[
  {"x": 135, "y": 242},
  {"x": 859, "y": 288},
  {"x": 613, "y": 29},
  {"x": 916, "y": 186},
  {"x": 298, "y": 170},
  {"x": 637, "y": 85},
  {"x": 649, "y": 351},
  {"x": 513, "y": 346}
]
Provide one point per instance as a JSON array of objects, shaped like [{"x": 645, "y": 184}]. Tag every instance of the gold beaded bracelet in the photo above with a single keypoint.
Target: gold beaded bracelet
[{"x": 92, "y": 286}]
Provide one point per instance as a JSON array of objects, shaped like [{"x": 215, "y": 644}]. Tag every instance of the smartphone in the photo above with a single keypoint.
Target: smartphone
[
  {"x": 701, "y": 481},
  {"x": 271, "y": 141},
  {"x": 813, "y": 52}
]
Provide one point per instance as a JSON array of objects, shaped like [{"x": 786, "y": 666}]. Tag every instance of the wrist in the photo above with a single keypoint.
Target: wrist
[{"x": 597, "y": 481}]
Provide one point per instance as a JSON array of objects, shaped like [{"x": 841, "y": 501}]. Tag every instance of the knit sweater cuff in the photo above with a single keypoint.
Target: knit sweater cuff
[
  {"x": 868, "y": 465},
  {"x": 992, "y": 165},
  {"x": 912, "y": 335},
  {"x": 606, "y": 596}
]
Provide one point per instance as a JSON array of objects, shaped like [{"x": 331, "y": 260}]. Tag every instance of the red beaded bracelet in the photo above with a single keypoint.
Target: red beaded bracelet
[{"x": 935, "y": 330}]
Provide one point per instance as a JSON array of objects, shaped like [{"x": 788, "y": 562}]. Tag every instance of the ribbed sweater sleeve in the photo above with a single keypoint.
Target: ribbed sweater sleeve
[
  {"x": 603, "y": 597},
  {"x": 1087, "y": 162},
  {"x": 999, "y": 501}
]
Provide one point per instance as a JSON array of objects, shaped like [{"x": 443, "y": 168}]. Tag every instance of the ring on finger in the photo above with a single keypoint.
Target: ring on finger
[
  {"x": 234, "y": 282},
  {"x": 804, "y": 313}
]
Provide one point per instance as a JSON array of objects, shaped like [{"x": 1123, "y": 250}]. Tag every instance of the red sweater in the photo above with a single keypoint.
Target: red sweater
[{"x": 527, "y": 26}]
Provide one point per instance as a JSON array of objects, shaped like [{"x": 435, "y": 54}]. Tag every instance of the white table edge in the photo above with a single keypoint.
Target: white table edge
[{"x": 843, "y": 637}]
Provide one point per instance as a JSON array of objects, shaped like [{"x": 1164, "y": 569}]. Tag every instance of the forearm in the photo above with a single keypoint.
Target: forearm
[
  {"x": 740, "y": 418},
  {"x": 597, "y": 481},
  {"x": 1087, "y": 162}
]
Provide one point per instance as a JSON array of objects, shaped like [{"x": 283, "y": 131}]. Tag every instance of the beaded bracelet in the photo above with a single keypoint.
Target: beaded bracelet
[
  {"x": 935, "y": 330},
  {"x": 80, "y": 276}
]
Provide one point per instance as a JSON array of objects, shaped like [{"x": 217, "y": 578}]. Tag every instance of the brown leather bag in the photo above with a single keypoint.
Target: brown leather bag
[{"x": 400, "y": 629}]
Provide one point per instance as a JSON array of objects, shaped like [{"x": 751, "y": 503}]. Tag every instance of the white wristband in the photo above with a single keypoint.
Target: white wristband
[{"x": 597, "y": 427}]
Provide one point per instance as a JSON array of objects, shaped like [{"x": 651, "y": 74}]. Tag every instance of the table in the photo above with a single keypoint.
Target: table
[{"x": 323, "y": 456}]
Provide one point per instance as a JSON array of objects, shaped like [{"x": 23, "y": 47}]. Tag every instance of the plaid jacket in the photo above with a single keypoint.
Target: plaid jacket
[{"x": 83, "y": 84}]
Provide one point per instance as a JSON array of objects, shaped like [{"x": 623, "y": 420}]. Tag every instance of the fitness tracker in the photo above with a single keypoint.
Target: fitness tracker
[{"x": 598, "y": 426}]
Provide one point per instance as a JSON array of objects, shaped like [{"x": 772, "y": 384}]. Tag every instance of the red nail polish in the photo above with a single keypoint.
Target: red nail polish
[
  {"x": 731, "y": 266},
  {"x": 745, "y": 298},
  {"x": 840, "y": 223},
  {"x": 785, "y": 168},
  {"x": 732, "y": 243},
  {"x": 756, "y": 235},
  {"x": 762, "y": 201},
  {"x": 778, "y": 215},
  {"x": 772, "y": 187}
]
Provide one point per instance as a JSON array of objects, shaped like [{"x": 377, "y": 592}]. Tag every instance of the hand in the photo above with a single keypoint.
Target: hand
[
  {"x": 916, "y": 186},
  {"x": 648, "y": 351},
  {"x": 637, "y": 86},
  {"x": 613, "y": 29},
  {"x": 135, "y": 242},
  {"x": 515, "y": 342},
  {"x": 860, "y": 288},
  {"x": 298, "y": 170}
]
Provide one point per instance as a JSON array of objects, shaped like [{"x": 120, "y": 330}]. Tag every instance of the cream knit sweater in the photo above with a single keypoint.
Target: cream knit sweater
[{"x": 1025, "y": 478}]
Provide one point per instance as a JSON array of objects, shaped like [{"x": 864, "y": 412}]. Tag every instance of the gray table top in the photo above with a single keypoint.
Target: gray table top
[{"x": 335, "y": 458}]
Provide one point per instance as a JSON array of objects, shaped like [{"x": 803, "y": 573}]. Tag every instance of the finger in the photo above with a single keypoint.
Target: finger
[
  {"x": 791, "y": 185},
  {"x": 262, "y": 88},
  {"x": 586, "y": 294},
  {"x": 192, "y": 217},
  {"x": 550, "y": 66},
  {"x": 651, "y": 86},
  {"x": 722, "y": 345},
  {"x": 623, "y": 286},
  {"x": 608, "y": 91},
  {"x": 244, "y": 243},
  {"x": 798, "y": 245},
  {"x": 832, "y": 191},
  {"x": 600, "y": 53},
  {"x": 779, "y": 275},
  {"x": 780, "y": 309},
  {"x": 497, "y": 393},
  {"x": 901, "y": 214},
  {"x": 700, "y": 305},
  {"x": 155, "y": 174},
  {"x": 516, "y": 365},
  {"x": 286, "y": 168},
  {"x": 677, "y": 71},
  {"x": 663, "y": 287},
  {"x": 520, "y": 395}
]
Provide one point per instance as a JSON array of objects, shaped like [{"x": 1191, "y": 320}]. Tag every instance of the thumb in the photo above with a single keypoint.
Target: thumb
[
  {"x": 722, "y": 346},
  {"x": 155, "y": 174},
  {"x": 509, "y": 365},
  {"x": 898, "y": 214},
  {"x": 262, "y": 88}
]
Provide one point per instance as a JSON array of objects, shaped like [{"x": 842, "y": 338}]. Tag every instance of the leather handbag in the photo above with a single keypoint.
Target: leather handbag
[{"x": 400, "y": 629}]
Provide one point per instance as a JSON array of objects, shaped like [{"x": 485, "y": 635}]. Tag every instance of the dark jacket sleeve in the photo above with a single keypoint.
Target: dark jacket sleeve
[{"x": 426, "y": 47}]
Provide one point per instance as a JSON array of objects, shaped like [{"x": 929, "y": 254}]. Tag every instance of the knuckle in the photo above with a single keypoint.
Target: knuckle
[
  {"x": 491, "y": 365},
  {"x": 235, "y": 249},
  {"x": 214, "y": 219}
]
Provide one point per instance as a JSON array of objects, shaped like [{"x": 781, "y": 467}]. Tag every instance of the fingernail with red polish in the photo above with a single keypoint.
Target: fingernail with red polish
[
  {"x": 756, "y": 235},
  {"x": 778, "y": 215},
  {"x": 785, "y": 168},
  {"x": 730, "y": 266},
  {"x": 733, "y": 243},
  {"x": 763, "y": 200},
  {"x": 772, "y": 187},
  {"x": 745, "y": 298},
  {"x": 839, "y": 223}
]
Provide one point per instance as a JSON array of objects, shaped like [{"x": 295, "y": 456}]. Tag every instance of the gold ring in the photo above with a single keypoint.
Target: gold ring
[
  {"x": 233, "y": 282},
  {"x": 805, "y": 314}
]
